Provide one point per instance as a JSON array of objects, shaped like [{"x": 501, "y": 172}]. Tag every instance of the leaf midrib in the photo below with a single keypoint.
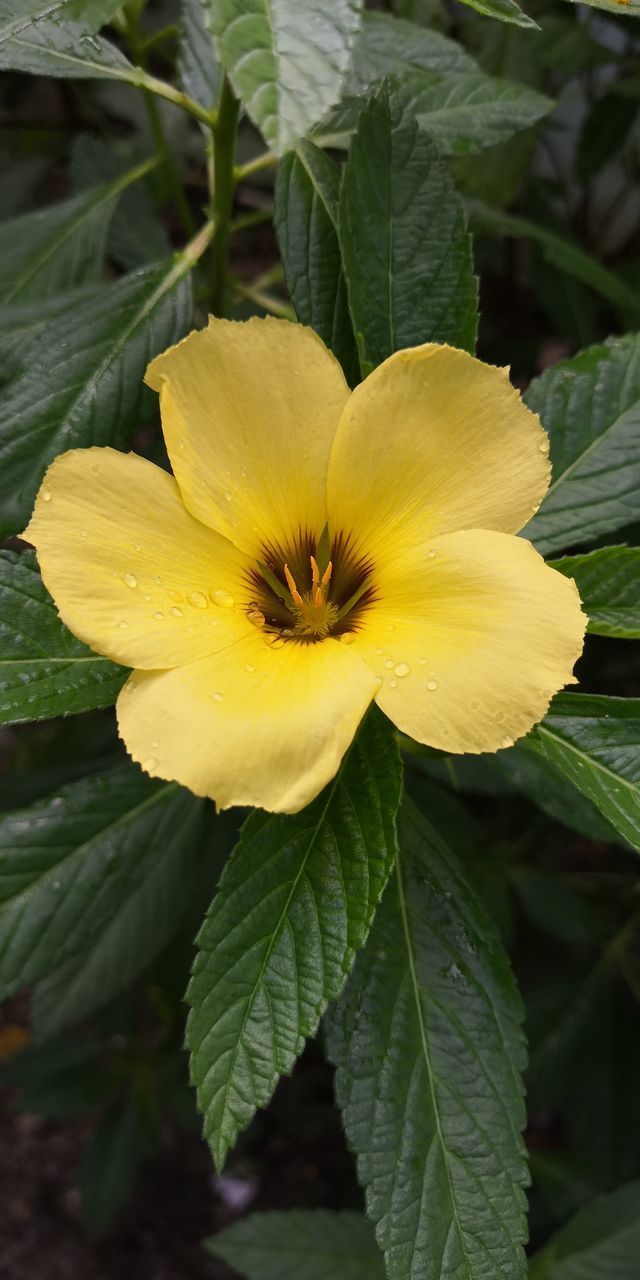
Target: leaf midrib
[{"x": 595, "y": 444}]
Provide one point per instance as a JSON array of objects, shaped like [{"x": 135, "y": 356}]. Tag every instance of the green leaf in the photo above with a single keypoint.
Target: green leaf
[
  {"x": 287, "y": 59},
  {"x": 109, "y": 1164},
  {"x": 590, "y": 406},
  {"x": 388, "y": 46},
  {"x": 593, "y": 741},
  {"x": 553, "y": 793},
  {"x": 17, "y": 16},
  {"x": 44, "y": 670},
  {"x": 602, "y": 1240},
  {"x": 198, "y": 67},
  {"x": 136, "y": 235},
  {"x": 560, "y": 252},
  {"x": 428, "y": 1045},
  {"x": 61, "y": 247},
  {"x": 295, "y": 902},
  {"x": 405, "y": 247},
  {"x": 466, "y": 113},
  {"x": 609, "y": 584},
  {"x": 69, "y": 862},
  {"x": 306, "y": 218},
  {"x": 21, "y": 322},
  {"x": 630, "y": 8},
  {"x": 503, "y": 10},
  {"x": 303, "y": 1244},
  {"x": 82, "y": 384},
  {"x": 67, "y": 50}
]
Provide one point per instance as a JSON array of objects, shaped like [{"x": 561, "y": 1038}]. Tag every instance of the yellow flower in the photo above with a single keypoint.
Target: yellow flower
[{"x": 317, "y": 549}]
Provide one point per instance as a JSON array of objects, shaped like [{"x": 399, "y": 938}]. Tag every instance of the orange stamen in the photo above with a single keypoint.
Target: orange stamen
[{"x": 291, "y": 583}]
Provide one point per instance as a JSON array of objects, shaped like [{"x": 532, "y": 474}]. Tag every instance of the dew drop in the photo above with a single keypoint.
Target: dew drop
[
  {"x": 197, "y": 599},
  {"x": 147, "y": 598},
  {"x": 389, "y": 664},
  {"x": 175, "y": 596},
  {"x": 391, "y": 627},
  {"x": 56, "y": 886},
  {"x": 432, "y": 685},
  {"x": 348, "y": 637},
  {"x": 158, "y": 580},
  {"x": 379, "y": 682},
  {"x": 250, "y": 667},
  {"x": 83, "y": 534},
  {"x": 499, "y": 717},
  {"x": 423, "y": 662},
  {"x": 218, "y": 697},
  {"x": 432, "y": 553},
  {"x": 379, "y": 653},
  {"x": 124, "y": 626},
  {"x": 130, "y": 580},
  {"x": 138, "y": 546},
  {"x": 275, "y": 642},
  {"x": 150, "y": 764},
  {"x": 474, "y": 706},
  {"x": 403, "y": 669},
  {"x": 158, "y": 615},
  {"x": 46, "y": 496},
  {"x": 177, "y": 613},
  {"x": 544, "y": 446},
  {"x": 507, "y": 742},
  {"x": 228, "y": 495},
  {"x": 393, "y": 684},
  {"x": 223, "y": 599}
]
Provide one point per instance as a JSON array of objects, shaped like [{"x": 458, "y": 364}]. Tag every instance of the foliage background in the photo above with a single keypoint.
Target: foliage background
[{"x": 103, "y": 1170}]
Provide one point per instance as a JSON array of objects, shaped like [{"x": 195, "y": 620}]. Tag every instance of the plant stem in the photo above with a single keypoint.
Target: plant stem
[
  {"x": 224, "y": 137},
  {"x": 157, "y": 129},
  {"x": 264, "y": 161}
]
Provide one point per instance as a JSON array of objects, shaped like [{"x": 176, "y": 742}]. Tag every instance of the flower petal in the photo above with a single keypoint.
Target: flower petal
[
  {"x": 472, "y": 638},
  {"x": 132, "y": 573},
  {"x": 249, "y": 413},
  {"x": 251, "y": 725},
  {"x": 434, "y": 441}
]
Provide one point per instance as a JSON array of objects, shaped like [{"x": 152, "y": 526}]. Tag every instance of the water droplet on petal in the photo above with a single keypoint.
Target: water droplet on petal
[
  {"x": 138, "y": 546},
  {"x": 130, "y": 580},
  {"x": 507, "y": 742},
  {"x": 544, "y": 446},
  {"x": 474, "y": 706},
  {"x": 124, "y": 626},
  {"x": 177, "y": 613},
  {"x": 432, "y": 685},
  {"x": 223, "y": 599},
  {"x": 432, "y": 553},
  {"x": 249, "y": 667},
  {"x": 218, "y": 697},
  {"x": 158, "y": 615},
  {"x": 423, "y": 662},
  {"x": 389, "y": 664},
  {"x": 348, "y": 637},
  {"x": 393, "y": 684},
  {"x": 379, "y": 653},
  {"x": 150, "y": 764},
  {"x": 403, "y": 669},
  {"x": 46, "y": 496},
  {"x": 175, "y": 596},
  {"x": 147, "y": 598},
  {"x": 499, "y": 717},
  {"x": 197, "y": 599},
  {"x": 275, "y": 641},
  {"x": 158, "y": 580}
]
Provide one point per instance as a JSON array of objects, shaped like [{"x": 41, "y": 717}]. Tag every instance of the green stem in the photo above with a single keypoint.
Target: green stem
[
  {"x": 274, "y": 306},
  {"x": 264, "y": 161},
  {"x": 157, "y": 129},
  {"x": 224, "y": 137}
]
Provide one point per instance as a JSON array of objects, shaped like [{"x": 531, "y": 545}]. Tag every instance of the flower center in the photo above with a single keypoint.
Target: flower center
[{"x": 310, "y": 590}]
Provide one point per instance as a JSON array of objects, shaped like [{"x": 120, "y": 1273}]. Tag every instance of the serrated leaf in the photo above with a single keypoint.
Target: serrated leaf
[
  {"x": 630, "y": 8},
  {"x": 609, "y": 584},
  {"x": 20, "y": 322},
  {"x": 593, "y": 741},
  {"x": 198, "y": 67},
  {"x": 136, "y": 235},
  {"x": 551, "y": 791},
  {"x": 68, "y": 862},
  {"x": 302, "y": 1244},
  {"x": 428, "y": 1046},
  {"x": 405, "y": 247},
  {"x": 58, "y": 248},
  {"x": 466, "y": 113},
  {"x": 601, "y": 1240},
  {"x": 388, "y": 46},
  {"x": 306, "y": 218},
  {"x": 295, "y": 902},
  {"x": 590, "y": 407},
  {"x": 82, "y": 384},
  {"x": 503, "y": 10},
  {"x": 287, "y": 59},
  {"x": 68, "y": 50},
  {"x": 20, "y": 15},
  {"x": 44, "y": 670}
]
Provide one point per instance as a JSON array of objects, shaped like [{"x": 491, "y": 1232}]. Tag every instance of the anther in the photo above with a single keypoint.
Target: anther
[{"x": 291, "y": 583}]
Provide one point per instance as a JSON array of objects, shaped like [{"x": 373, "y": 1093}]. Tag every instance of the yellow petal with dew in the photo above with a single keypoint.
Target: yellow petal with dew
[
  {"x": 252, "y": 725},
  {"x": 132, "y": 573},
  {"x": 249, "y": 413},
  {"x": 434, "y": 441},
  {"x": 471, "y": 637}
]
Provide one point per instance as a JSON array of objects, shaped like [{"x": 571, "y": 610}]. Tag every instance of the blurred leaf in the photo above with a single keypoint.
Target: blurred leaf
[
  {"x": 590, "y": 407},
  {"x": 604, "y": 132},
  {"x": 136, "y": 235},
  {"x": 630, "y": 8},
  {"x": 602, "y": 1240},
  {"x": 109, "y": 1165},
  {"x": 306, "y": 218},
  {"x": 198, "y": 68},
  {"x": 553, "y": 793},
  {"x": 44, "y": 670},
  {"x": 302, "y": 1244},
  {"x": 60, "y": 247},
  {"x": 559, "y": 251},
  {"x": 405, "y": 247},
  {"x": 593, "y": 741},
  {"x": 503, "y": 10},
  {"x": 609, "y": 584},
  {"x": 20, "y": 15},
  {"x": 287, "y": 59},
  {"x": 82, "y": 384},
  {"x": 295, "y": 902},
  {"x": 63, "y": 1078},
  {"x": 428, "y": 1046},
  {"x": 69, "y": 862},
  {"x": 390, "y": 46}
]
